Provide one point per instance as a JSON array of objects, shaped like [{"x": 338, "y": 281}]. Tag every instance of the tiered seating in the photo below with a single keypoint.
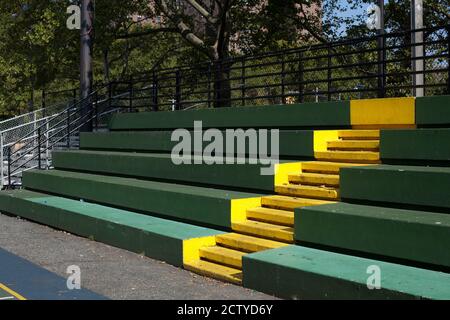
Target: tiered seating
[{"x": 122, "y": 188}]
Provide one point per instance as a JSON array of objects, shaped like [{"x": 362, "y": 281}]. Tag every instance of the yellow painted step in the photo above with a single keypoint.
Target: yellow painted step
[
  {"x": 354, "y": 145},
  {"x": 281, "y": 217},
  {"x": 318, "y": 179},
  {"x": 359, "y": 134},
  {"x": 265, "y": 230},
  {"x": 221, "y": 255},
  {"x": 349, "y": 156},
  {"x": 327, "y": 167},
  {"x": 290, "y": 203},
  {"x": 247, "y": 243},
  {"x": 324, "y": 193},
  {"x": 215, "y": 271}
]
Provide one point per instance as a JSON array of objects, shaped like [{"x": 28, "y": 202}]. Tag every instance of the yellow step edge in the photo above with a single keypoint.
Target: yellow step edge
[
  {"x": 221, "y": 255},
  {"x": 354, "y": 145},
  {"x": 290, "y": 203},
  {"x": 315, "y": 179},
  {"x": 323, "y": 193},
  {"x": 349, "y": 156},
  {"x": 327, "y": 167},
  {"x": 359, "y": 134},
  {"x": 268, "y": 215},
  {"x": 215, "y": 271},
  {"x": 265, "y": 230},
  {"x": 247, "y": 243}
]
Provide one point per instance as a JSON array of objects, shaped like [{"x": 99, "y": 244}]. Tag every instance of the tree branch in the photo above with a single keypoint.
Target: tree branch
[{"x": 208, "y": 16}]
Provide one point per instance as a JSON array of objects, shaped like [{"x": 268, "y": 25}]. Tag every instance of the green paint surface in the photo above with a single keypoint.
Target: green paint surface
[
  {"x": 433, "y": 110},
  {"x": 303, "y": 273},
  {"x": 406, "y": 234},
  {"x": 154, "y": 237},
  {"x": 292, "y": 143},
  {"x": 306, "y": 115},
  {"x": 409, "y": 185},
  {"x": 188, "y": 203},
  {"x": 422, "y": 144},
  {"x": 161, "y": 166}
]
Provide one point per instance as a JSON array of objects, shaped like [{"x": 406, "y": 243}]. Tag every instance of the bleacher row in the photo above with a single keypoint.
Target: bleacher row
[{"x": 360, "y": 184}]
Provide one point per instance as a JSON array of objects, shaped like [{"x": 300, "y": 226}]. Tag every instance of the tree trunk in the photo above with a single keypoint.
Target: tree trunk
[{"x": 222, "y": 84}]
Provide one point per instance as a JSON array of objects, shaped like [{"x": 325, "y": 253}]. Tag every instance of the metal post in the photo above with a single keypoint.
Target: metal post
[
  {"x": 448, "y": 59},
  {"x": 417, "y": 48},
  {"x": 110, "y": 95},
  {"x": 68, "y": 128},
  {"x": 155, "y": 91},
  {"x": 178, "y": 90},
  {"x": 39, "y": 148},
  {"x": 2, "y": 160},
  {"x": 130, "y": 94},
  {"x": 9, "y": 167},
  {"x": 300, "y": 78},
  {"x": 243, "y": 82},
  {"x": 86, "y": 74},
  {"x": 96, "y": 111},
  {"x": 44, "y": 103},
  {"x": 209, "y": 85},
  {"x": 329, "y": 72},
  {"x": 381, "y": 53},
  {"x": 283, "y": 75},
  {"x": 47, "y": 145}
]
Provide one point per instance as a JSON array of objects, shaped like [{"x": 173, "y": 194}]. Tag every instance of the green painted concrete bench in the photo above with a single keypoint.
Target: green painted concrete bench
[
  {"x": 197, "y": 205},
  {"x": 420, "y": 146},
  {"x": 153, "y": 237},
  {"x": 296, "y": 272},
  {"x": 406, "y": 185},
  {"x": 307, "y": 115},
  {"x": 416, "y": 236}
]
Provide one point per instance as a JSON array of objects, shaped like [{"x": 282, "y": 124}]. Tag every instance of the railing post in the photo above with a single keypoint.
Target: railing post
[
  {"x": 381, "y": 65},
  {"x": 155, "y": 91},
  {"x": 47, "y": 145},
  {"x": 68, "y": 128},
  {"x": 209, "y": 85},
  {"x": 96, "y": 111},
  {"x": 300, "y": 78},
  {"x": 9, "y": 167},
  {"x": 130, "y": 94},
  {"x": 243, "y": 82},
  {"x": 178, "y": 90},
  {"x": 2, "y": 160},
  {"x": 329, "y": 83},
  {"x": 44, "y": 103},
  {"x": 283, "y": 76},
  {"x": 39, "y": 148},
  {"x": 448, "y": 59},
  {"x": 110, "y": 95}
]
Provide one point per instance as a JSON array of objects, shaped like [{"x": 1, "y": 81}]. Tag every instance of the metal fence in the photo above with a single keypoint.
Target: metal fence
[{"x": 378, "y": 66}]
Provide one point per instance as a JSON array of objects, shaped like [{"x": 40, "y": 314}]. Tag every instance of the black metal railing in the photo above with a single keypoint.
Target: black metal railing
[{"x": 368, "y": 67}]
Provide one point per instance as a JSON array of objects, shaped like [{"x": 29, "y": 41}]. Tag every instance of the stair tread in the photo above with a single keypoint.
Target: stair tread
[
  {"x": 229, "y": 257},
  {"x": 350, "y": 156},
  {"x": 247, "y": 243},
  {"x": 290, "y": 203},
  {"x": 265, "y": 230},
  {"x": 270, "y": 215},
  {"x": 314, "y": 178},
  {"x": 354, "y": 145},
  {"x": 359, "y": 134},
  {"x": 215, "y": 270},
  {"x": 327, "y": 193}
]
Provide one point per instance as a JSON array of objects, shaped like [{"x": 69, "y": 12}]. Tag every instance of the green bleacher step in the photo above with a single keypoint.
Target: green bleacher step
[
  {"x": 192, "y": 204},
  {"x": 303, "y": 273},
  {"x": 407, "y": 185},
  {"x": 153, "y": 237},
  {"x": 416, "y": 236}
]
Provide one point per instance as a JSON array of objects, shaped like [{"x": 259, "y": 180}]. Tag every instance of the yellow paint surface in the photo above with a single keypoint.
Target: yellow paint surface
[
  {"x": 283, "y": 170},
  {"x": 239, "y": 208},
  {"x": 382, "y": 112},
  {"x": 12, "y": 292},
  {"x": 321, "y": 138},
  {"x": 191, "y": 247}
]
